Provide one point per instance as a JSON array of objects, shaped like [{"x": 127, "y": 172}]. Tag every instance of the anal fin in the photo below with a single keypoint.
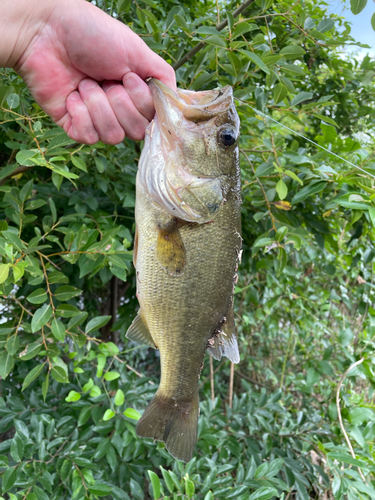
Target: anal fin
[
  {"x": 224, "y": 342},
  {"x": 170, "y": 249},
  {"x": 139, "y": 332}
]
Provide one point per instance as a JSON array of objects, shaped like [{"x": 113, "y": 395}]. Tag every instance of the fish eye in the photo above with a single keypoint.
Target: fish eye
[{"x": 227, "y": 136}]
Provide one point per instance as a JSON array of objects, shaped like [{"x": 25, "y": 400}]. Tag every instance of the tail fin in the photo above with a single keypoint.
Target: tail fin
[{"x": 174, "y": 422}]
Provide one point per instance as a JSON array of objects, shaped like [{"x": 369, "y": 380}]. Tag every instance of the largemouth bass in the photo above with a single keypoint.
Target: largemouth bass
[{"x": 186, "y": 251}]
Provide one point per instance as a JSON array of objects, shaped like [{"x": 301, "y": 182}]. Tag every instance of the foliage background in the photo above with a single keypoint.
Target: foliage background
[{"x": 73, "y": 387}]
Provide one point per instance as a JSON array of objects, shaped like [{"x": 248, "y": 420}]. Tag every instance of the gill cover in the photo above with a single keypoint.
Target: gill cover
[{"x": 168, "y": 170}]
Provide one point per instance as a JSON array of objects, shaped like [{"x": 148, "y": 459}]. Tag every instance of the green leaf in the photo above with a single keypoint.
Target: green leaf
[
  {"x": 34, "y": 204},
  {"x": 168, "y": 480},
  {"x": 263, "y": 493},
  {"x": 67, "y": 311},
  {"x": 131, "y": 413},
  {"x": 4, "y": 272},
  {"x": 281, "y": 189},
  {"x": 59, "y": 370},
  {"x": 155, "y": 482},
  {"x": 279, "y": 93},
  {"x": 371, "y": 213},
  {"x": 119, "y": 398},
  {"x": 207, "y": 30},
  {"x": 101, "y": 363},
  {"x": 291, "y": 174},
  {"x": 45, "y": 386},
  {"x": 373, "y": 21},
  {"x": 41, "y": 318},
  {"x": 66, "y": 292},
  {"x": 256, "y": 60},
  {"x": 37, "y": 296},
  {"x": 357, "y": 6},
  {"x": 97, "y": 323},
  {"x": 215, "y": 40},
  {"x": 40, "y": 494},
  {"x": 17, "y": 448},
  {"x": 73, "y": 396},
  {"x": 9, "y": 478},
  {"x": 293, "y": 51},
  {"x": 111, "y": 376},
  {"x": 77, "y": 320},
  {"x": 6, "y": 364},
  {"x": 89, "y": 385},
  {"x": 302, "y": 96},
  {"x": 84, "y": 415},
  {"x": 326, "y": 119},
  {"x": 136, "y": 490},
  {"x": 108, "y": 415},
  {"x": 242, "y": 28},
  {"x": 100, "y": 489},
  {"x": 58, "y": 330},
  {"x": 230, "y": 20},
  {"x": 313, "y": 188},
  {"x": 31, "y": 376},
  {"x": 30, "y": 351},
  {"x": 79, "y": 163},
  {"x": 326, "y": 24},
  {"x": 13, "y": 344},
  {"x": 13, "y": 101},
  {"x": 95, "y": 392},
  {"x": 346, "y": 458},
  {"x": 189, "y": 488}
]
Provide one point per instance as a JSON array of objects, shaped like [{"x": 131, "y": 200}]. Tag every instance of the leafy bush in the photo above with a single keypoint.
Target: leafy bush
[{"x": 295, "y": 420}]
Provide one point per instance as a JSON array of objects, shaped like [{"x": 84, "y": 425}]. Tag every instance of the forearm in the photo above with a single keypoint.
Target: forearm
[{"x": 20, "y": 21}]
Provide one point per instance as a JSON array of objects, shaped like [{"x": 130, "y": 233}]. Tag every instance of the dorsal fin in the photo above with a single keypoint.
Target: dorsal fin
[
  {"x": 224, "y": 342},
  {"x": 139, "y": 332}
]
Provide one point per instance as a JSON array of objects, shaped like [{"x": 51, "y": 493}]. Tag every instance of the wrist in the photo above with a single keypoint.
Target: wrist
[{"x": 20, "y": 22}]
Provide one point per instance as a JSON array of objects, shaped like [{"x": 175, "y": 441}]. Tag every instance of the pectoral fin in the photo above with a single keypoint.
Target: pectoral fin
[
  {"x": 139, "y": 332},
  {"x": 170, "y": 250},
  {"x": 224, "y": 342}
]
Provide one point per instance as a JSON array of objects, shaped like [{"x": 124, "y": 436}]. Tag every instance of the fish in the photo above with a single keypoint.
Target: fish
[{"x": 187, "y": 248}]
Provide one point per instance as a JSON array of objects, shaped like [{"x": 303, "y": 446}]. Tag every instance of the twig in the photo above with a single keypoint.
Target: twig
[
  {"x": 231, "y": 377},
  {"x": 212, "y": 380},
  {"x": 216, "y": 369},
  {"x": 15, "y": 172},
  {"x": 252, "y": 381},
  {"x": 340, "y": 417},
  {"x": 202, "y": 44},
  {"x": 137, "y": 373}
]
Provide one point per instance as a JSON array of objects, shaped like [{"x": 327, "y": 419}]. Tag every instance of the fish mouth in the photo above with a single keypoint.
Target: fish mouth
[{"x": 194, "y": 106}]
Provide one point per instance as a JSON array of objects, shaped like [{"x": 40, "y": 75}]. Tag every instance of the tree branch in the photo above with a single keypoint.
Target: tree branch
[{"x": 201, "y": 44}]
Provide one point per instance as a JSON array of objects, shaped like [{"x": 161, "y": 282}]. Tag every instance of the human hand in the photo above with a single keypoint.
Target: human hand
[{"x": 76, "y": 46}]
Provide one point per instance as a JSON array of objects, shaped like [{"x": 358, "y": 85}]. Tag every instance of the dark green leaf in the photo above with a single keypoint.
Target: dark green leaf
[
  {"x": 32, "y": 375},
  {"x": 41, "y": 317}
]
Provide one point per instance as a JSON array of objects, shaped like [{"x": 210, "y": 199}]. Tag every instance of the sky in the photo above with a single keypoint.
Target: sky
[{"x": 361, "y": 23}]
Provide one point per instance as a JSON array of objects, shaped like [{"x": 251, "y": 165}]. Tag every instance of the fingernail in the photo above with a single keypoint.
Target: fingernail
[
  {"x": 109, "y": 87},
  {"x": 87, "y": 84},
  {"x": 74, "y": 96},
  {"x": 131, "y": 82}
]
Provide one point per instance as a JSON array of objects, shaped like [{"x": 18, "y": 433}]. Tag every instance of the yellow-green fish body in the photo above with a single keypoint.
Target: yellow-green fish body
[{"x": 187, "y": 250}]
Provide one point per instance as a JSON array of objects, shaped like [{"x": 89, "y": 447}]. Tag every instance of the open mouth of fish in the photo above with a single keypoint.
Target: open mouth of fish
[{"x": 170, "y": 173}]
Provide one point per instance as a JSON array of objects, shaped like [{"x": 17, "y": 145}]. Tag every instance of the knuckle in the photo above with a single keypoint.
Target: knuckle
[{"x": 114, "y": 137}]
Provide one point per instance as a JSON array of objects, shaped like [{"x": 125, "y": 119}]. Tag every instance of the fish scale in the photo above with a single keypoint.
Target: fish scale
[{"x": 186, "y": 268}]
